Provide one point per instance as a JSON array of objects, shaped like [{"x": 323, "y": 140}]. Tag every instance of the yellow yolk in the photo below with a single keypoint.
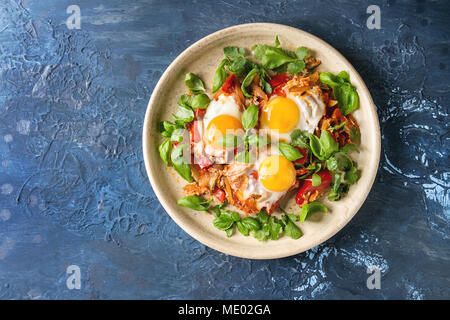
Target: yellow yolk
[
  {"x": 221, "y": 125},
  {"x": 280, "y": 114},
  {"x": 276, "y": 173}
]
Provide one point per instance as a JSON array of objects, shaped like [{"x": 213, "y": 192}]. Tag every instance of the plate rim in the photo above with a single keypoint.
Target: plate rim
[{"x": 149, "y": 168}]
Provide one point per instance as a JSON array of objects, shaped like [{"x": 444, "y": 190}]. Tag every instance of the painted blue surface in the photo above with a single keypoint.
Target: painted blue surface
[{"x": 73, "y": 188}]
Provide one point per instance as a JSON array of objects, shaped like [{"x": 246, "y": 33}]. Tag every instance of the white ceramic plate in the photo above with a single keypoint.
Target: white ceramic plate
[{"x": 202, "y": 58}]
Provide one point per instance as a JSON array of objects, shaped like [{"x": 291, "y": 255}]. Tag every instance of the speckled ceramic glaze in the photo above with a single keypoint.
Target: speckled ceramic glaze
[{"x": 202, "y": 58}]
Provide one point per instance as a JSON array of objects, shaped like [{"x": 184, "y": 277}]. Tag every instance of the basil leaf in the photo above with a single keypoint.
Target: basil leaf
[
  {"x": 338, "y": 190},
  {"x": 200, "y": 101},
  {"x": 244, "y": 157},
  {"x": 316, "y": 180},
  {"x": 251, "y": 223},
  {"x": 337, "y": 127},
  {"x": 229, "y": 232},
  {"x": 183, "y": 115},
  {"x": 300, "y": 138},
  {"x": 265, "y": 85},
  {"x": 164, "y": 151},
  {"x": 177, "y": 135},
  {"x": 355, "y": 135},
  {"x": 234, "y": 52},
  {"x": 315, "y": 146},
  {"x": 275, "y": 229},
  {"x": 242, "y": 229},
  {"x": 194, "y": 83},
  {"x": 352, "y": 175},
  {"x": 250, "y": 117},
  {"x": 301, "y": 52},
  {"x": 295, "y": 66},
  {"x": 230, "y": 141},
  {"x": 289, "y": 152},
  {"x": 327, "y": 144},
  {"x": 223, "y": 222},
  {"x": 340, "y": 161},
  {"x": 311, "y": 208},
  {"x": 236, "y": 216},
  {"x": 262, "y": 234},
  {"x": 293, "y": 217},
  {"x": 248, "y": 81},
  {"x": 256, "y": 140},
  {"x": 194, "y": 202},
  {"x": 219, "y": 76},
  {"x": 180, "y": 164},
  {"x": 167, "y": 128},
  {"x": 291, "y": 230},
  {"x": 343, "y": 91},
  {"x": 349, "y": 147},
  {"x": 263, "y": 216}
]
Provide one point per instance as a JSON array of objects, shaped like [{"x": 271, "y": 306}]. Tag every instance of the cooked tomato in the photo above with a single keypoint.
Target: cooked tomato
[
  {"x": 307, "y": 186},
  {"x": 305, "y": 156},
  {"x": 279, "y": 78},
  {"x": 193, "y": 130},
  {"x": 228, "y": 86},
  {"x": 199, "y": 113},
  {"x": 219, "y": 194}
]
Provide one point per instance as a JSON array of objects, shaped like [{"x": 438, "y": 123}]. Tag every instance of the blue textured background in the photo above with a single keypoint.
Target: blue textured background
[{"x": 73, "y": 188}]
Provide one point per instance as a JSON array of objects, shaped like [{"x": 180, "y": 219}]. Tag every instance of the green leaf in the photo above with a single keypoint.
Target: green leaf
[
  {"x": 327, "y": 145},
  {"x": 244, "y": 157},
  {"x": 349, "y": 147},
  {"x": 289, "y": 152},
  {"x": 265, "y": 85},
  {"x": 296, "y": 66},
  {"x": 239, "y": 66},
  {"x": 250, "y": 117},
  {"x": 219, "y": 76},
  {"x": 236, "y": 216},
  {"x": 258, "y": 141},
  {"x": 355, "y": 135},
  {"x": 223, "y": 222},
  {"x": 277, "y": 42},
  {"x": 248, "y": 81},
  {"x": 337, "y": 127},
  {"x": 311, "y": 208},
  {"x": 316, "y": 180},
  {"x": 343, "y": 91},
  {"x": 251, "y": 223},
  {"x": 234, "y": 52},
  {"x": 263, "y": 216},
  {"x": 293, "y": 217},
  {"x": 242, "y": 229},
  {"x": 167, "y": 128},
  {"x": 262, "y": 234},
  {"x": 275, "y": 229},
  {"x": 301, "y": 52},
  {"x": 291, "y": 230},
  {"x": 229, "y": 232},
  {"x": 180, "y": 164},
  {"x": 314, "y": 144},
  {"x": 164, "y": 151},
  {"x": 200, "y": 101},
  {"x": 183, "y": 115},
  {"x": 300, "y": 138},
  {"x": 177, "y": 135},
  {"x": 352, "y": 175},
  {"x": 230, "y": 141},
  {"x": 339, "y": 161},
  {"x": 194, "y": 202},
  {"x": 194, "y": 83},
  {"x": 338, "y": 190}
]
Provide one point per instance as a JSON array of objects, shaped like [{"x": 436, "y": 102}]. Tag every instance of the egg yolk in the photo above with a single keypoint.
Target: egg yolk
[
  {"x": 276, "y": 173},
  {"x": 221, "y": 125},
  {"x": 280, "y": 114}
]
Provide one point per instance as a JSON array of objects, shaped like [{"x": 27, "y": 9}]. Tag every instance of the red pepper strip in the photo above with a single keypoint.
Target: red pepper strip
[
  {"x": 301, "y": 172},
  {"x": 305, "y": 156},
  {"x": 219, "y": 194},
  {"x": 199, "y": 113},
  {"x": 228, "y": 86},
  {"x": 307, "y": 186}
]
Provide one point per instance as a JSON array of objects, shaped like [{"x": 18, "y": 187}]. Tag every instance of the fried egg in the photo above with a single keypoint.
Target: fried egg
[
  {"x": 223, "y": 116},
  {"x": 266, "y": 180},
  {"x": 282, "y": 115}
]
